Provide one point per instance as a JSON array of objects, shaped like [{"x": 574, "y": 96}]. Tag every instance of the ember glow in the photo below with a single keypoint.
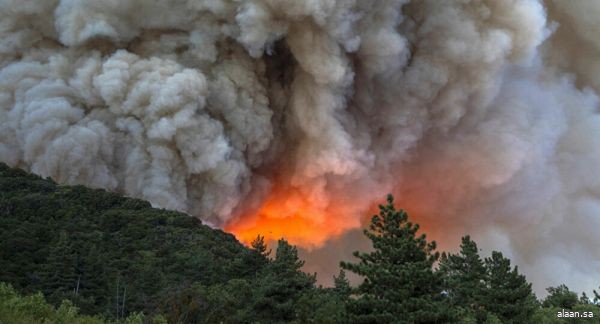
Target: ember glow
[{"x": 290, "y": 216}]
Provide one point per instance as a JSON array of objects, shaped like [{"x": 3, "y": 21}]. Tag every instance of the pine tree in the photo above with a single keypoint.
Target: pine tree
[
  {"x": 561, "y": 297},
  {"x": 464, "y": 277},
  {"x": 341, "y": 285},
  {"x": 60, "y": 272},
  {"x": 255, "y": 259},
  {"x": 281, "y": 284},
  {"x": 259, "y": 246},
  {"x": 399, "y": 284},
  {"x": 509, "y": 295},
  {"x": 584, "y": 299}
]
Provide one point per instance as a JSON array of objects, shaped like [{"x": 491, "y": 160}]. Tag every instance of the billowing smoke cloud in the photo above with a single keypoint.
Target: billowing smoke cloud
[{"x": 292, "y": 117}]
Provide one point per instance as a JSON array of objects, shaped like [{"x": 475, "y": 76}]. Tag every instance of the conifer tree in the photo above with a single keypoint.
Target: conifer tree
[
  {"x": 259, "y": 246},
  {"x": 561, "y": 297},
  {"x": 256, "y": 258},
  {"x": 281, "y": 284},
  {"x": 509, "y": 295},
  {"x": 584, "y": 299},
  {"x": 399, "y": 284},
  {"x": 465, "y": 277},
  {"x": 60, "y": 271},
  {"x": 341, "y": 285}
]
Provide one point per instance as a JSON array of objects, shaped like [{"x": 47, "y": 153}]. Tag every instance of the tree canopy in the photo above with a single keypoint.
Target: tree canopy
[{"x": 100, "y": 250}]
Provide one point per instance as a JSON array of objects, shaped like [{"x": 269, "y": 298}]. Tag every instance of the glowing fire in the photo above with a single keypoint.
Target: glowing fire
[{"x": 291, "y": 216}]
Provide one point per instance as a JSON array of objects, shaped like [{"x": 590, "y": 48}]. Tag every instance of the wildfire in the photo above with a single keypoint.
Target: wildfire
[
  {"x": 292, "y": 216},
  {"x": 290, "y": 213}
]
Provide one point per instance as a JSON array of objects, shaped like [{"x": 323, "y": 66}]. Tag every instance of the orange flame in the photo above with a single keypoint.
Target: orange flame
[
  {"x": 433, "y": 196},
  {"x": 292, "y": 216}
]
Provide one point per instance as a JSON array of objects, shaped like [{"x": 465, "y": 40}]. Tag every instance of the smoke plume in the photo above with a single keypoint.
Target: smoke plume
[{"x": 293, "y": 117}]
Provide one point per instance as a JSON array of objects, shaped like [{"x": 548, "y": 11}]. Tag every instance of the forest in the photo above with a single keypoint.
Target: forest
[{"x": 70, "y": 254}]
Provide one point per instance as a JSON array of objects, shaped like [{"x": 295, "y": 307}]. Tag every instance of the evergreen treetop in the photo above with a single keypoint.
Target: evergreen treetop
[
  {"x": 509, "y": 295},
  {"x": 400, "y": 284}
]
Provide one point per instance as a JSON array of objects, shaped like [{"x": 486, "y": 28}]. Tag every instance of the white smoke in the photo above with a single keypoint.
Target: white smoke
[{"x": 483, "y": 114}]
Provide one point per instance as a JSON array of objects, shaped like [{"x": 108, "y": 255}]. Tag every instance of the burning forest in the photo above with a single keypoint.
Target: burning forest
[{"x": 292, "y": 118}]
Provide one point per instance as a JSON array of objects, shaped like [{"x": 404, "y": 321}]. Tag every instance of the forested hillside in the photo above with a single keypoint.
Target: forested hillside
[
  {"x": 101, "y": 250},
  {"x": 70, "y": 250}
]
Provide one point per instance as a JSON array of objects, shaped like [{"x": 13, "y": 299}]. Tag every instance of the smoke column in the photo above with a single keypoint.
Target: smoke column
[{"x": 294, "y": 117}]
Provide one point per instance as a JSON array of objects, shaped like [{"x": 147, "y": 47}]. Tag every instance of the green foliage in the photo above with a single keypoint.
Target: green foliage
[
  {"x": 17, "y": 309},
  {"x": 464, "y": 277},
  {"x": 34, "y": 309},
  {"x": 260, "y": 247},
  {"x": 221, "y": 303},
  {"x": 280, "y": 293},
  {"x": 509, "y": 295},
  {"x": 342, "y": 285},
  {"x": 108, "y": 254},
  {"x": 584, "y": 299},
  {"x": 399, "y": 284},
  {"x": 281, "y": 285},
  {"x": 326, "y": 305},
  {"x": 546, "y": 315},
  {"x": 488, "y": 290},
  {"x": 560, "y": 297},
  {"x": 321, "y": 306}
]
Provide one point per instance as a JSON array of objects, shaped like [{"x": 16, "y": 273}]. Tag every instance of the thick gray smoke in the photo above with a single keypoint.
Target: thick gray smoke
[{"x": 482, "y": 116}]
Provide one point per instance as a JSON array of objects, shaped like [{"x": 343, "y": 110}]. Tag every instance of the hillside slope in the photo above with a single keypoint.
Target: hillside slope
[{"x": 107, "y": 253}]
